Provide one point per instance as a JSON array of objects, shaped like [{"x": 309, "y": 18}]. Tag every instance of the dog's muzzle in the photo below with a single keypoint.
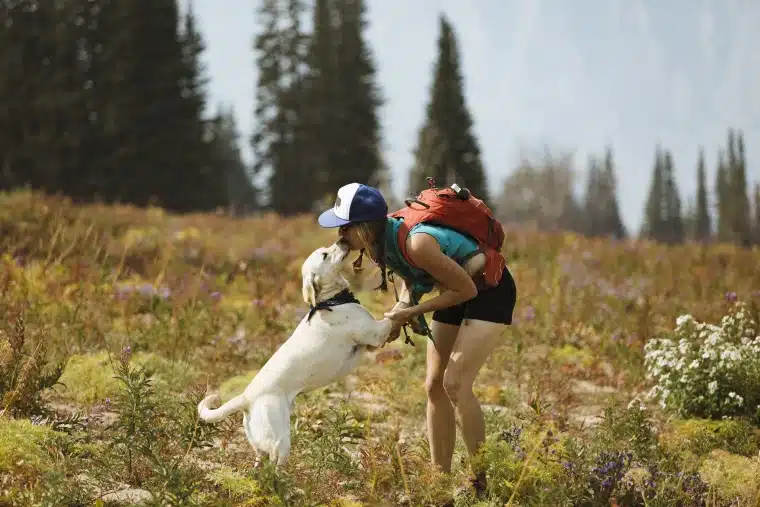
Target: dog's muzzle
[{"x": 344, "y": 247}]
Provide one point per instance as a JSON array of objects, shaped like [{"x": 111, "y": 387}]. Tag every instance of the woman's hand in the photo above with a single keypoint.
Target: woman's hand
[
  {"x": 400, "y": 316},
  {"x": 398, "y": 323}
]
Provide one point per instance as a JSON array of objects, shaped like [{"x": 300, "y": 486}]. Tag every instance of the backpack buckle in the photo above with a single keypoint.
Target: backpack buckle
[{"x": 415, "y": 200}]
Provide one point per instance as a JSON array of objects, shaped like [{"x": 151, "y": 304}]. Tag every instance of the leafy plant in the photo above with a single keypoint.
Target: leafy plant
[{"x": 24, "y": 373}]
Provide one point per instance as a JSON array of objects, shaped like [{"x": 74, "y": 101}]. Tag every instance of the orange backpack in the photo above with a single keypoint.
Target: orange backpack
[{"x": 458, "y": 209}]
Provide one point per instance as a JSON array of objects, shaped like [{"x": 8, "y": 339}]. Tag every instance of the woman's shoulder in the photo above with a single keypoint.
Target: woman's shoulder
[
  {"x": 450, "y": 241},
  {"x": 443, "y": 234}
]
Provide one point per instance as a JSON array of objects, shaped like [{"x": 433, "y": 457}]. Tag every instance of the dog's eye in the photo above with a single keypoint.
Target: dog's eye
[{"x": 324, "y": 255}]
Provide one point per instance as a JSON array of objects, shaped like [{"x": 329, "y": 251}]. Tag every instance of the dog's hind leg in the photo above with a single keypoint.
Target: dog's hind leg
[
  {"x": 281, "y": 451},
  {"x": 268, "y": 426},
  {"x": 249, "y": 436}
]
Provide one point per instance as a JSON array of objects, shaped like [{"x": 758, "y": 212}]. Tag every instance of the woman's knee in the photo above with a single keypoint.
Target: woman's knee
[
  {"x": 456, "y": 385},
  {"x": 438, "y": 356},
  {"x": 434, "y": 386},
  {"x": 450, "y": 385}
]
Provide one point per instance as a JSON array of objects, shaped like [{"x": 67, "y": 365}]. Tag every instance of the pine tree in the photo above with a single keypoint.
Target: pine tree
[
  {"x": 94, "y": 54},
  {"x": 592, "y": 208},
  {"x": 723, "y": 202},
  {"x": 447, "y": 148},
  {"x": 613, "y": 222},
  {"x": 602, "y": 209},
  {"x": 146, "y": 116},
  {"x": 757, "y": 214},
  {"x": 690, "y": 219},
  {"x": 292, "y": 104},
  {"x": 653, "y": 212},
  {"x": 59, "y": 106},
  {"x": 204, "y": 186},
  {"x": 30, "y": 108},
  {"x": 359, "y": 128},
  {"x": 673, "y": 220},
  {"x": 277, "y": 139},
  {"x": 7, "y": 72},
  {"x": 267, "y": 133},
  {"x": 322, "y": 112},
  {"x": 701, "y": 225},
  {"x": 572, "y": 218},
  {"x": 240, "y": 191},
  {"x": 429, "y": 159},
  {"x": 742, "y": 221}
]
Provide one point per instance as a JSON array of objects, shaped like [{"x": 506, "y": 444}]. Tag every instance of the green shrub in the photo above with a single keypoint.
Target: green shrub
[{"x": 24, "y": 371}]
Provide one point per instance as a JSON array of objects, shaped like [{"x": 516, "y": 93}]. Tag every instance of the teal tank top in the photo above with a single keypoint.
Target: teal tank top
[{"x": 453, "y": 244}]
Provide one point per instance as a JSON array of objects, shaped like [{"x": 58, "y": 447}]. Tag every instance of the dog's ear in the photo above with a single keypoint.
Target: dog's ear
[{"x": 310, "y": 289}]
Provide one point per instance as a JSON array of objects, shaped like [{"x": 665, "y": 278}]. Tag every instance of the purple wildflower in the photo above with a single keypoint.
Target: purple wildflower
[
  {"x": 512, "y": 437},
  {"x": 610, "y": 468},
  {"x": 126, "y": 354}
]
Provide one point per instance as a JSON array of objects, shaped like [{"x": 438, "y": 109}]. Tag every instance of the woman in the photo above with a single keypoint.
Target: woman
[{"x": 467, "y": 322}]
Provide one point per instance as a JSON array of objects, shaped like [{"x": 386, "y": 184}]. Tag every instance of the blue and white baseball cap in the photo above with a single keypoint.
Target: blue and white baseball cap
[{"x": 355, "y": 203}]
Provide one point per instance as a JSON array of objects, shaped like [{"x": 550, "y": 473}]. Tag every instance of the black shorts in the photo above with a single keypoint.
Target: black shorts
[{"x": 492, "y": 304}]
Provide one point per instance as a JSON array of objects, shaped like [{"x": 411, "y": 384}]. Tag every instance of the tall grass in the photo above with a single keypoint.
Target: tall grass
[{"x": 121, "y": 319}]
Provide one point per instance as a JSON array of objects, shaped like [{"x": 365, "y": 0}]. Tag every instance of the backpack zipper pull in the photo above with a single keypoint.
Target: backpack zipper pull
[{"x": 462, "y": 193}]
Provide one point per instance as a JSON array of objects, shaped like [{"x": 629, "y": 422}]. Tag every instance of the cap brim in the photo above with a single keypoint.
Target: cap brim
[{"x": 330, "y": 219}]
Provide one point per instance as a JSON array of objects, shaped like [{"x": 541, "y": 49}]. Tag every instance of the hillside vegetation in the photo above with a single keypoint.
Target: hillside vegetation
[{"x": 119, "y": 320}]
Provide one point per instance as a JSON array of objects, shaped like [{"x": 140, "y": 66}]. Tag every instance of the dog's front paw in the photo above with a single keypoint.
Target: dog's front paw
[{"x": 211, "y": 401}]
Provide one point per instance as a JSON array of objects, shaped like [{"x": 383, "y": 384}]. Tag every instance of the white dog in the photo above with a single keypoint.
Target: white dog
[{"x": 327, "y": 345}]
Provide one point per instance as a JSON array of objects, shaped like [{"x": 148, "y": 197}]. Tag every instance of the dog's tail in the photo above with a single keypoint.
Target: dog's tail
[{"x": 212, "y": 415}]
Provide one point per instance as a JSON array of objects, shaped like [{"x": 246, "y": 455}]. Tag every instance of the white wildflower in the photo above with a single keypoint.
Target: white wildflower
[
  {"x": 636, "y": 403},
  {"x": 683, "y": 319}
]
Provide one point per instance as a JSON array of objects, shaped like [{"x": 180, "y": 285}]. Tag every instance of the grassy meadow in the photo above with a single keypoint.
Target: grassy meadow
[{"x": 119, "y": 320}]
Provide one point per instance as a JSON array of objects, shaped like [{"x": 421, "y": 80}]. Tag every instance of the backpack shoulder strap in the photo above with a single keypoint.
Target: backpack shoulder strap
[{"x": 402, "y": 236}]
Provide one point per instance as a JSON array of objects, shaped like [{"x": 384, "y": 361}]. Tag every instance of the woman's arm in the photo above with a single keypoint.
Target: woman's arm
[
  {"x": 404, "y": 296},
  {"x": 456, "y": 284}
]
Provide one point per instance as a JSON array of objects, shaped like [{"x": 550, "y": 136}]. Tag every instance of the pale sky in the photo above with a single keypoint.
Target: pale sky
[{"x": 573, "y": 75}]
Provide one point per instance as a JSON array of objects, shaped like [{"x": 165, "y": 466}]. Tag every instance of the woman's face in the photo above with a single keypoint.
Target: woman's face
[{"x": 350, "y": 235}]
